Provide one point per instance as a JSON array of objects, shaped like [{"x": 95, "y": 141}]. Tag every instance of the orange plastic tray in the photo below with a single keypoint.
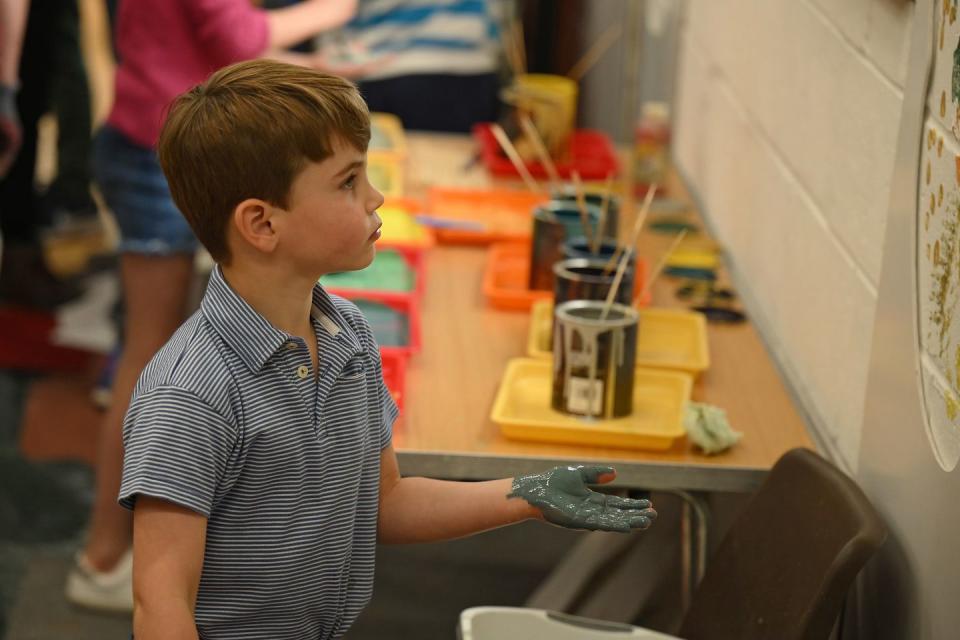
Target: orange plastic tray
[
  {"x": 522, "y": 409},
  {"x": 667, "y": 339},
  {"x": 501, "y": 214},
  {"x": 507, "y": 276}
]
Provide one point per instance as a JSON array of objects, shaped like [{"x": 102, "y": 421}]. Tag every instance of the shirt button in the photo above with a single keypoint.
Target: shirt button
[
  {"x": 291, "y": 345},
  {"x": 302, "y": 372}
]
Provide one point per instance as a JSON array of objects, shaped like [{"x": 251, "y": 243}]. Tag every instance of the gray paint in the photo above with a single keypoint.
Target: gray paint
[{"x": 910, "y": 589}]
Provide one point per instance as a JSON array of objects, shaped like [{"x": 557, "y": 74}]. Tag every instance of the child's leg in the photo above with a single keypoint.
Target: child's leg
[
  {"x": 157, "y": 249},
  {"x": 155, "y": 289}
]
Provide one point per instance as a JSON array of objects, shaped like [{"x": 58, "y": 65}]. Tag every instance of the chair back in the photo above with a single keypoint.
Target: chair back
[{"x": 786, "y": 564}]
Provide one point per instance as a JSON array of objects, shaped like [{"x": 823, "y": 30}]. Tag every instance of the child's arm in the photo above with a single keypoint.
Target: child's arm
[
  {"x": 294, "y": 24},
  {"x": 234, "y": 30},
  {"x": 168, "y": 544},
  {"x": 424, "y": 510},
  {"x": 13, "y": 18}
]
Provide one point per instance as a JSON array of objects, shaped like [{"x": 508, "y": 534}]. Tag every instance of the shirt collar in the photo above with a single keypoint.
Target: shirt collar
[{"x": 251, "y": 335}]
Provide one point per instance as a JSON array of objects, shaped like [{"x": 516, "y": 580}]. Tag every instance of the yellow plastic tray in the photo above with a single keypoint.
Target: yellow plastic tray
[
  {"x": 522, "y": 409},
  {"x": 385, "y": 172},
  {"x": 668, "y": 338},
  {"x": 386, "y": 134},
  {"x": 400, "y": 229}
]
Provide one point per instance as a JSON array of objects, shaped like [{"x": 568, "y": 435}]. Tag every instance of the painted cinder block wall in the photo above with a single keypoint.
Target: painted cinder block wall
[{"x": 786, "y": 118}]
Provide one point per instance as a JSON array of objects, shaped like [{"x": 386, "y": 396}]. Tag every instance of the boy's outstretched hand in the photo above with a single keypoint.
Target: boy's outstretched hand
[{"x": 562, "y": 496}]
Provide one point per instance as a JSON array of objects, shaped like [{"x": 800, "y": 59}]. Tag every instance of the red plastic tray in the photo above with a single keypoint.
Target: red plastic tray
[
  {"x": 395, "y": 374},
  {"x": 592, "y": 154},
  {"x": 406, "y": 305}
]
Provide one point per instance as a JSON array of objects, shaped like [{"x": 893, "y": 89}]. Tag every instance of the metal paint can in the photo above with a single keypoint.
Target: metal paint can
[
  {"x": 578, "y": 247},
  {"x": 587, "y": 279},
  {"x": 553, "y": 223},
  {"x": 568, "y": 195},
  {"x": 593, "y": 359}
]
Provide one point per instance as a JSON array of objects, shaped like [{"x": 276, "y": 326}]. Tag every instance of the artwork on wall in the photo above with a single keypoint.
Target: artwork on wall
[{"x": 938, "y": 245}]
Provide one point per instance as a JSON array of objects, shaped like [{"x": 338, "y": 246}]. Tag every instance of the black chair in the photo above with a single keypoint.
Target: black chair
[{"x": 781, "y": 572}]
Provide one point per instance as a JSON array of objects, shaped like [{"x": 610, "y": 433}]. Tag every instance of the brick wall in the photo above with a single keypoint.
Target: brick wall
[{"x": 785, "y": 120}]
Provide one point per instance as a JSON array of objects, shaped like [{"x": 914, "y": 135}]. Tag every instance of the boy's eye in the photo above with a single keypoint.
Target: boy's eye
[{"x": 349, "y": 182}]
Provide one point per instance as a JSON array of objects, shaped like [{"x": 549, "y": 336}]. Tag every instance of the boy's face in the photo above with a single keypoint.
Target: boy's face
[{"x": 331, "y": 223}]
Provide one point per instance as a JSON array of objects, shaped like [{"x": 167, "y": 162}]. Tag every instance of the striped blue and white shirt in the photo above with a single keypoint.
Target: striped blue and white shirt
[
  {"x": 228, "y": 420},
  {"x": 407, "y": 37}
]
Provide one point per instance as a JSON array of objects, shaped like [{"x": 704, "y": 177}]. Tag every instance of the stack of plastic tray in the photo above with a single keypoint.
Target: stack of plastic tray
[
  {"x": 389, "y": 291},
  {"x": 671, "y": 351},
  {"x": 387, "y": 154}
]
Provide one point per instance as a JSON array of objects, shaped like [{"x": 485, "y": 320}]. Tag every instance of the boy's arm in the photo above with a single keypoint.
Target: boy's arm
[
  {"x": 424, "y": 510},
  {"x": 168, "y": 544}
]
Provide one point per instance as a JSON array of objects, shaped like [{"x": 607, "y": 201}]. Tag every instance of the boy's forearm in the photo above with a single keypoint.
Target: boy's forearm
[
  {"x": 426, "y": 510},
  {"x": 294, "y": 24},
  {"x": 170, "y": 622}
]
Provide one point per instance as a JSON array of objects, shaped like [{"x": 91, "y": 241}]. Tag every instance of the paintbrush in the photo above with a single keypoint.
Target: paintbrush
[
  {"x": 637, "y": 225},
  {"x": 659, "y": 267},
  {"x": 602, "y": 222},
  {"x": 594, "y": 53},
  {"x": 511, "y": 152},
  {"x": 582, "y": 206},
  {"x": 531, "y": 132},
  {"x": 520, "y": 45},
  {"x": 508, "y": 42},
  {"x": 627, "y": 253}
]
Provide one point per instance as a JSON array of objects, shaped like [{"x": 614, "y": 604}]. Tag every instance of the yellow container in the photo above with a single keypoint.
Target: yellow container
[
  {"x": 666, "y": 338},
  {"x": 522, "y": 409},
  {"x": 386, "y": 134},
  {"x": 551, "y": 102}
]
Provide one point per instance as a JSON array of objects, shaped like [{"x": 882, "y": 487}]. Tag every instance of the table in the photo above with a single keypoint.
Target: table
[{"x": 446, "y": 431}]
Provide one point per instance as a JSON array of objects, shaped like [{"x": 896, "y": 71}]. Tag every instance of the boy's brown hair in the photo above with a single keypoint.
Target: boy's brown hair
[{"x": 246, "y": 133}]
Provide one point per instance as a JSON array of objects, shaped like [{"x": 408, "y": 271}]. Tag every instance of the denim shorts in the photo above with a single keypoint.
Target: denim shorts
[{"x": 135, "y": 190}]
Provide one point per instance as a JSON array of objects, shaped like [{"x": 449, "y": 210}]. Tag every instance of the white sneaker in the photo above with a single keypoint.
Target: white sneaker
[{"x": 108, "y": 591}]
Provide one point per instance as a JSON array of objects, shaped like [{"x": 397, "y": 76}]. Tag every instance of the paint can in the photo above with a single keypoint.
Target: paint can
[
  {"x": 568, "y": 195},
  {"x": 553, "y": 223},
  {"x": 578, "y": 247},
  {"x": 588, "y": 279},
  {"x": 593, "y": 359}
]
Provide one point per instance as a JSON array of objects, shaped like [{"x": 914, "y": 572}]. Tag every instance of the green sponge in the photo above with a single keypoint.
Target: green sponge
[{"x": 707, "y": 426}]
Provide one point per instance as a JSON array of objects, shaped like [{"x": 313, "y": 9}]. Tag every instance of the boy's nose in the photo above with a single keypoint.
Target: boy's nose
[{"x": 377, "y": 200}]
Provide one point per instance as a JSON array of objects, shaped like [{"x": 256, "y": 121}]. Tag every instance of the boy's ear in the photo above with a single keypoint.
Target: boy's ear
[{"x": 254, "y": 221}]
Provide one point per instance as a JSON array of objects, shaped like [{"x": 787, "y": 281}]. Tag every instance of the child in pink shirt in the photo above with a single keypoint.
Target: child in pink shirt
[{"x": 164, "y": 48}]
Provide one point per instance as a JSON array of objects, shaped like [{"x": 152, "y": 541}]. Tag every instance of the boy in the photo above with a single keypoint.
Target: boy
[{"x": 258, "y": 456}]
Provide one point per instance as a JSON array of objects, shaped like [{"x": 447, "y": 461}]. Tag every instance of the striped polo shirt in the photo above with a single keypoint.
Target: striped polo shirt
[
  {"x": 404, "y": 37},
  {"x": 229, "y": 421}
]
